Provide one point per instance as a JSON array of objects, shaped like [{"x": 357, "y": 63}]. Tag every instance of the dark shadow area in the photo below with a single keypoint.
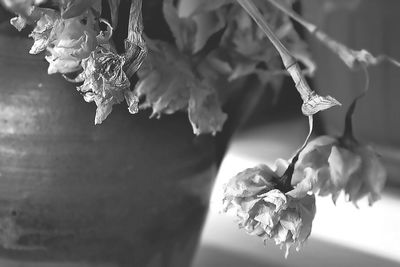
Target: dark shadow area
[
  {"x": 216, "y": 257},
  {"x": 316, "y": 253}
]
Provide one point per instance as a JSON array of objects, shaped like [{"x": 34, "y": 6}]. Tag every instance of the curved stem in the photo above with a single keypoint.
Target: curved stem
[
  {"x": 135, "y": 45},
  {"x": 135, "y": 20},
  {"x": 352, "y": 58},
  {"x": 288, "y": 60},
  {"x": 312, "y": 103}
]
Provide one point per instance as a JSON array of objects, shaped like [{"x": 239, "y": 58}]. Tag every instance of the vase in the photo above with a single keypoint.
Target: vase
[
  {"x": 132, "y": 191},
  {"x": 371, "y": 25}
]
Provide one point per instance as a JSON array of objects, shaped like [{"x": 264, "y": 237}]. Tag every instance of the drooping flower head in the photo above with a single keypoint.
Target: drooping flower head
[
  {"x": 266, "y": 211},
  {"x": 105, "y": 82},
  {"x": 331, "y": 165},
  {"x": 45, "y": 30},
  {"x": 74, "y": 40}
]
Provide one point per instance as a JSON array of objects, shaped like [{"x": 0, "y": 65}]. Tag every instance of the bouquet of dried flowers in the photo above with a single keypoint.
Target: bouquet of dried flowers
[{"x": 216, "y": 43}]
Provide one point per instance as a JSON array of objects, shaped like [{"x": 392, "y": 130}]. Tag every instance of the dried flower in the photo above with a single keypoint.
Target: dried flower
[
  {"x": 328, "y": 166},
  {"x": 75, "y": 40},
  {"x": 266, "y": 211},
  {"x": 105, "y": 82},
  {"x": 45, "y": 29},
  {"x": 168, "y": 84}
]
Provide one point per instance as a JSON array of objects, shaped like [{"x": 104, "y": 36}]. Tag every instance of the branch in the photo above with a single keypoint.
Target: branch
[
  {"x": 312, "y": 103},
  {"x": 352, "y": 58}
]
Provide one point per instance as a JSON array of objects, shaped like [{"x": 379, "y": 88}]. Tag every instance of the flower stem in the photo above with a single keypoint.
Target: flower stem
[
  {"x": 135, "y": 20},
  {"x": 352, "y": 58},
  {"x": 135, "y": 45},
  {"x": 312, "y": 103},
  {"x": 288, "y": 60},
  {"x": 348, "y": 139}
]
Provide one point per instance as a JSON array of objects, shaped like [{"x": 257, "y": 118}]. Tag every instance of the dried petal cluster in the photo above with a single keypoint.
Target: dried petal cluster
[
  {"x": 105, "y": 82},
  {"x": 71, "y": 41},
  {"x": 74, "y": 43},
  {"x": 328, "y": 166},
  {"x": 243, "y": 48},
  {"x": 264, "y": 210},
  {"x": 169, "y": 80}
]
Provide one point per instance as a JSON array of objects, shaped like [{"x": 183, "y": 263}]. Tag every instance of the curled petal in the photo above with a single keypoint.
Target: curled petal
[
  {"x": 369, "y": 179},
  {"x": 104, "y": 36},
  {"x": 251, "y": 181},
  {"x": 19, "y": 22},
  {"x": 315, "y": 103},
  {"x": 343, "y": 163},
  {"x": 276, "y": 198},
  {"x": 205, "y": 113},
  {"x": 44, "y": 30},
  {"x": 102, "y": 112},
  {"x": 133, "y": 102}
]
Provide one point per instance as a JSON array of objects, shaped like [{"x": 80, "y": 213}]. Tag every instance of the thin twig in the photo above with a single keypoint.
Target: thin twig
[
  {"x": 312, "y": 102},
  {"x": 352, "y": 58},
  {"x": 348, "y": 124}
]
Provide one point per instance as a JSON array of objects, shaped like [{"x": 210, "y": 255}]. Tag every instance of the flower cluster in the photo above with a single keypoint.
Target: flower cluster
[
  {"x": 73, "y": 40},
  {"x": 264, "y": 209},
  {"x": 280, "y": 205}
]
